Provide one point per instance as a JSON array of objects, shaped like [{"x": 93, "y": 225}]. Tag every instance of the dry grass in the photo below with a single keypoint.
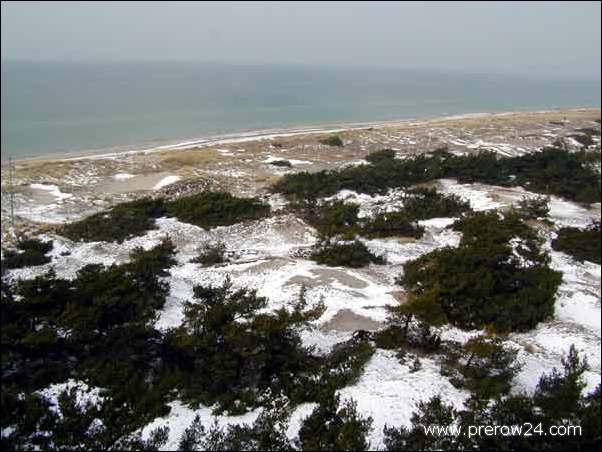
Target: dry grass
[{"x": 192, "y": 157}]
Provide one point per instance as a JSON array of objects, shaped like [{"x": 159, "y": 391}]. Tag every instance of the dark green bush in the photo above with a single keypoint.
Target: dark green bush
[
  {"x": 211, "y": 209},
  {"x": 334, "y": 427},
  {"x": 497, "y": 276},
  {"x": 211, "y": 254},
  {"x": 354, "y": 254},
  {"x": 483, "y": 366},
  {"x": 119, "y": 223},
  {"x": 226, "y": 352},
  {"x": 36, "y": 422},
  {"x": 425, "y": 203},
  {"x": 332, "y": 140},
  {"x": 534, "y": 208},
  {"x": 283, "y": 163},
  {"x": 206, "y": 209},
  {"x": 552, "y": 171},
  {"x": 383, "y": 156},
  {"x": 405, "y": 335},
  {"x": 333, "y": 218},
  {"x": 582, "y": 244},
  {"x": 391, "y": 224},
  {"x": 32, "y": 252}
]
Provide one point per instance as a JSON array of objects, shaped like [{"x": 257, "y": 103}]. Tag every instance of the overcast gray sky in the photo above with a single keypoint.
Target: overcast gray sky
[{"x": 558, "y": 39}]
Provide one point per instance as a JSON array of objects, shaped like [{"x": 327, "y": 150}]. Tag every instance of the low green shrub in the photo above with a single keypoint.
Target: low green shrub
[
  {"x": 121, "y": 222},
  {"x": 331, "y": 219},
  {"x": 31, "y": 252},
  {"x": 582, "y": 244},
  {"x": 381, "y": 157},
  {"x": 211, "y": 254},
  {"x": 354, "y": 255},
  {"x": 334, "y": 426},
  {"x": 227, "y": 351},
  {"x": 497, "y": 277},
  {"x": 206, "y": 209},
  {"x": 552, "y": 171},
  {"x": 425, "y": 203},
  {"x": 534, "y": 208},
  {"x": 211, "y": 209},
  {"x": 390, "y": 224},
  {"x": 558, "y": 400},
  {"x": 282, "y": 163},
  {"x": 484, "y": 366}
]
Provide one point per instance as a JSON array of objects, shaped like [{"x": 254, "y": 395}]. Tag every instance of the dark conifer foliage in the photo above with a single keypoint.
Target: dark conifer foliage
[
  {"x": 29, "y": 253},
  {"x": 497, "y": 277},
  {"x": 553, "y": 171},
  {"x": 582, "y": 244}
]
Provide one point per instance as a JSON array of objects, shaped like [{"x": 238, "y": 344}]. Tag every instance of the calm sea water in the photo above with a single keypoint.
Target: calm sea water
[{"x": 60, "y": 107}]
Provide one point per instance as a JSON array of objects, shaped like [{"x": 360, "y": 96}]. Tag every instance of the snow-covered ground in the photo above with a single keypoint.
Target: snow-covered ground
[{"x": 267, "y": 255}]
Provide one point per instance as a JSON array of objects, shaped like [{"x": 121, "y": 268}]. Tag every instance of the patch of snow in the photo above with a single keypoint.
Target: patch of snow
[
  {"x": 52, "y": 189},
  {"x": 438, "y": 223},
  {"x": 477, "y": 195},
  {"x": 168, "y": 180},
  {"x": 570, "y": 214},
  {"x": 181, "y": 416},
  {"x": 123, "y": 176},
  {"x": 389, "y": 392},
  {"x": 84, "y": 394}
]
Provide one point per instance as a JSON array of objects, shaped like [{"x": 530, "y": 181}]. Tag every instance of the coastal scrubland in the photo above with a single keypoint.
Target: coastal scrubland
[{"x": 482, "y": 286}]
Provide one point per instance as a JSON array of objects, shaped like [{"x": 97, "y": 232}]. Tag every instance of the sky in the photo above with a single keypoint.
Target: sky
[{"x": 536, "y": 39}]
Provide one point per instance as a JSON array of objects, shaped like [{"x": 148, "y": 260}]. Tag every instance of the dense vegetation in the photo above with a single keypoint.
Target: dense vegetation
[
  {"x": 582, "y": 244},
  {"x": 98, "y": 328},
  {"x": 332, "y": 219},
  {"x": 553, "y": 171},
  {"x": 382, "y": 156},
  {"x": 211, "y": 209},
  {"x": 354, "y": 254},
  {"x": 497, "y": 277},
  {"x": 483, "y": 365},
  {"x": 388, "y": 224},
  {"x": 211, "y": 254},
  {"x": 226, "y": 351},
  {"x": 338, "y": 219},
  {"x": 29, "y": 253},
  {"x": 95, "y": 328},
  {"x": 425, "y": 203},
  {"x": 126, "y": 220},
  {"x": 334, "y": 427},
  {"x": 234, "y": 355},
  {"x": 534, "y": 208},
  {"x": 121, "y": 222}
]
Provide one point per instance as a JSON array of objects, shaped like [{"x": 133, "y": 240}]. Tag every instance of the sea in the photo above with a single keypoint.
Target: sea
[{"x": 51, "y": 108}]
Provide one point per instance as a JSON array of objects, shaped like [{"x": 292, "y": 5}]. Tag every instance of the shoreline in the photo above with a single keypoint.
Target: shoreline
[{"x": 267, "y": 134}]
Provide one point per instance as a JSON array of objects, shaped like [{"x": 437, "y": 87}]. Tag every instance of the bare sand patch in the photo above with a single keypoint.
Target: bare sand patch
[
  {"x": 328, "y": 276},
  {"x": 346, "y": 320}
]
